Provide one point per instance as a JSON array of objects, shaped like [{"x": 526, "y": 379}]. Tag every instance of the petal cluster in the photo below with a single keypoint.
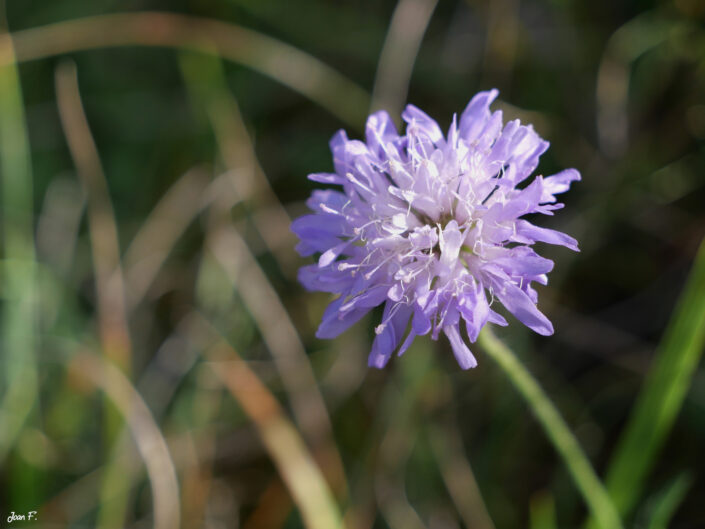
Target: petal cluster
[{"x": 429, "y": 225}]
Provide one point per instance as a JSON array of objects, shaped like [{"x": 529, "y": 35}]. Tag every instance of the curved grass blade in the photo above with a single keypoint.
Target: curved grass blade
[
  {"x": 148, "y": 437},
  {"x": 278, "y": 60}
]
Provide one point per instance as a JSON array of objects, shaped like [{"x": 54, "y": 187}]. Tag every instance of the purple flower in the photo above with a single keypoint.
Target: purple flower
[{"x": 429, "y": 225}]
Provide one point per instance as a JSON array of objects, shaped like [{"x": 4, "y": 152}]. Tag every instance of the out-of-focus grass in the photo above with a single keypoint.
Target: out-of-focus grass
[
  {"x": 18, "y": 286},
  {"x": 204, "y": 160},
  {"x": 148, "y": 438},
  {"x": 297, "y": 467},
  {"x": 260, "y": 52},
  {"x": 543, "y": 512},
  {"x": 562, "y": 438},
  {"x": 250, "y": 186},
  {"x": 109, "y": 283},
  {"x": 665, "y": 505},
  {"x": 398, "y": 55},
  {"x": 662, "y": 396}
]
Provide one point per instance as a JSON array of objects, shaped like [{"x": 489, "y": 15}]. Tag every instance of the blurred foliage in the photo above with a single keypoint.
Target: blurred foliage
[{"x": 199, "y": 155}]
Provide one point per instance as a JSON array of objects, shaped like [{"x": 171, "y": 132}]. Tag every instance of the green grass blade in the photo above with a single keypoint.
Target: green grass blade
[
  {"x": 542, "y": 512},
  {"x": 663, "y": 393},
  {"x": 664, "y": 507},
  {"x": 17, "y": 285}
]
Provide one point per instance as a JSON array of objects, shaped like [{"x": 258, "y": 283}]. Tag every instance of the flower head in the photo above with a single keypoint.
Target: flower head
[{"x": 430, "y": 226}]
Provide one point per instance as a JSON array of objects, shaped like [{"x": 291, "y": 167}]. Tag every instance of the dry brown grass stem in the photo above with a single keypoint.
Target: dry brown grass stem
[
  {"x": 281, "y": 338},
  {"x": 247, "y": 177},
  {"x": 158, "y": 234},
  {"x": 287, "y": 64},
  {"x": 401, "y": 46},
  {"x": 457, "y": 474},
  {"x": 110, "y": 290},
  {"x": 287, "y": 449},
  {"x": 147, "y": 435}
]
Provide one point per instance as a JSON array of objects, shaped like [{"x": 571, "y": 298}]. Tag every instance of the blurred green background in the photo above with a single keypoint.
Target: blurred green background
[{"x": 159, "y": 364}]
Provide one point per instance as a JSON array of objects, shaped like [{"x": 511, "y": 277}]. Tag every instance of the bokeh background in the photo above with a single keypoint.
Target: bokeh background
[{"x": 159, "y": 364}]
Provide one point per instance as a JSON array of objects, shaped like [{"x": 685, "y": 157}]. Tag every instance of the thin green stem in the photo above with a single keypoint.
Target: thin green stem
[
  {"x": 558, "y": 432},
  {"x": 18, "y": 289},
  {"x": 17, "y": 339}
]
